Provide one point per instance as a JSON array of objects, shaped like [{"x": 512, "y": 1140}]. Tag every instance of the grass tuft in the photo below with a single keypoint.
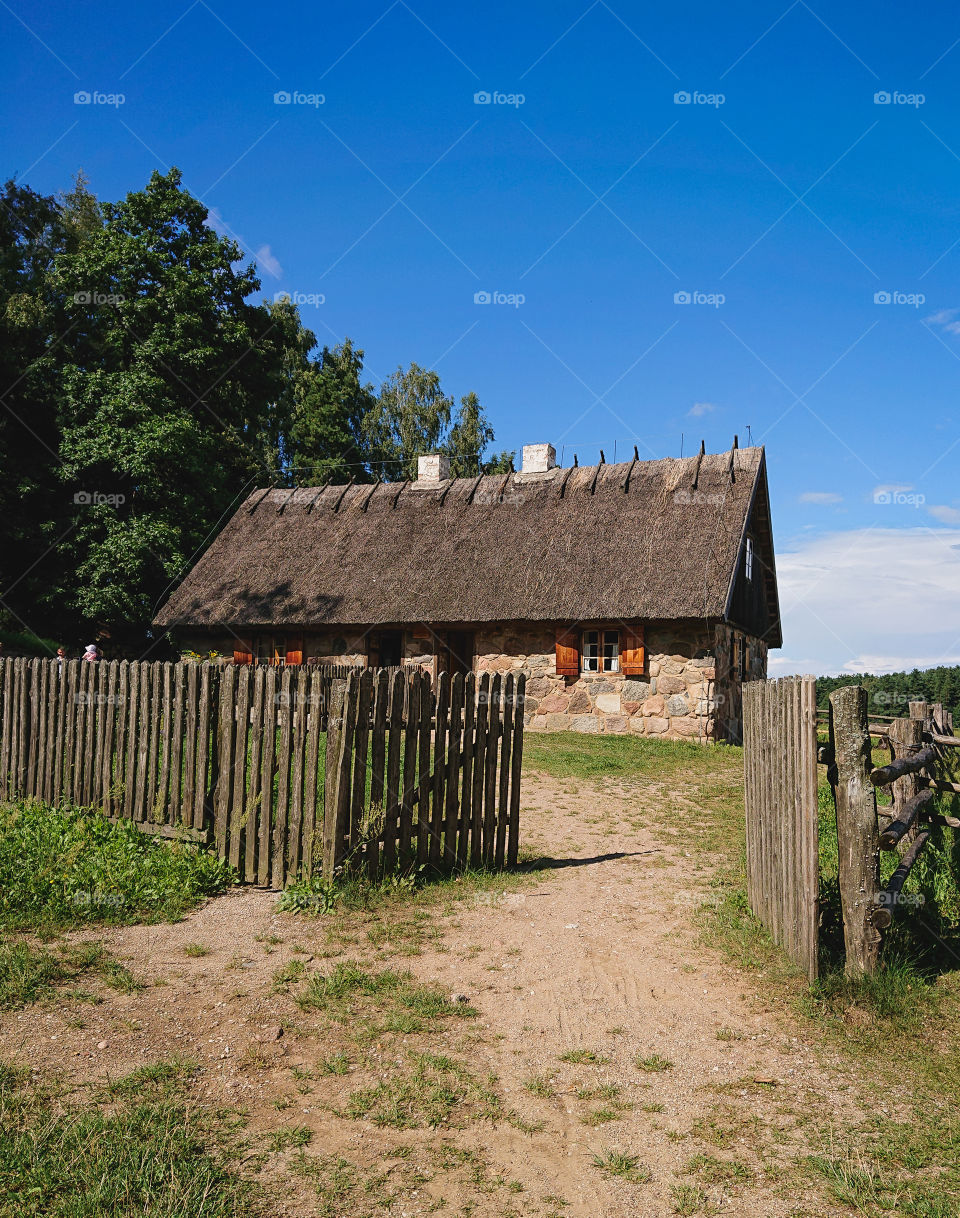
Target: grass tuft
[
  {"x": 626, "y": 1167},
  {"x": 655, "y": 1064}
]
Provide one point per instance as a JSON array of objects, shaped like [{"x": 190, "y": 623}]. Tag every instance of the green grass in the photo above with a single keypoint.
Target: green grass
[
  {"x": 429, "y": 1090},
  {"x": 540, "y": 1085},
  {"x": 654, "y": 1064},
  {"x": 30, "y": 643},
  {"x": 140, "y": 1149},
  {"x": 569, "y": 755},
  {"x": 65, "y": 867},
  {"x": 583, "y": 1057},
  {"x": 295, "y": 1135},
  {"x": 626, "y": 1167},
  {"x": 29, "y": 974},
  {"x": 385, "y": 1001}
]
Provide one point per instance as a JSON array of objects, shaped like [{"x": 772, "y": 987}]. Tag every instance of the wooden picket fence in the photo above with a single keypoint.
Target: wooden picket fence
[
  {"x": 422, "y": 776},
  {"x": 241, "y": 757},
  {"x": 780, "y": 781}
]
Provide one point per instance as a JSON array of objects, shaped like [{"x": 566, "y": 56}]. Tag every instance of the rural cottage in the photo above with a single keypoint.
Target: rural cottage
[{"x": 637, "y": 597}]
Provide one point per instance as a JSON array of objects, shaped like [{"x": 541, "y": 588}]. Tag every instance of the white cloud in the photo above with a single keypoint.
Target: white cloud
[
  {"x": 890, "y": 488},
  {"x": 269, "y": 263},
  {"x": 699, "y": 409},
  {"x": 820, "y": 497},
  {"x": 944, "y": 513},
  {"x": 870, "y": 600},
  {"x": 946, "y": 319}
]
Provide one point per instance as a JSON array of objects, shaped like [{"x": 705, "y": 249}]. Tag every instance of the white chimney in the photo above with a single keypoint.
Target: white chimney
[
  {"x": 433, "y": 468},
  {"x": 538, "y": 458}
]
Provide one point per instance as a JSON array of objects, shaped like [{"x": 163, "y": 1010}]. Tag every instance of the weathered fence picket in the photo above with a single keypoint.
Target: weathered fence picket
[{"x": 780, "y": 789}]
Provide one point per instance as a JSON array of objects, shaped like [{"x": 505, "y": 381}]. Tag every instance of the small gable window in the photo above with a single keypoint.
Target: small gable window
[{"x": 748, "y": 567}]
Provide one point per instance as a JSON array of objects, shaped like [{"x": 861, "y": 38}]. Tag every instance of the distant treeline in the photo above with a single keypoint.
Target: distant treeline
[{"x": 890, "y": 694}]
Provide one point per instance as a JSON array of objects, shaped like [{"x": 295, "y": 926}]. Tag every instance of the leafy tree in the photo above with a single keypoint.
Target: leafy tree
[
  {"x": 31, "y": 504},
  {"x": 412, "y": 417},
  {"x": 171, "y": 387},
  {"x": 331, "y": 402},
  {"x": 468, "y": 440}
]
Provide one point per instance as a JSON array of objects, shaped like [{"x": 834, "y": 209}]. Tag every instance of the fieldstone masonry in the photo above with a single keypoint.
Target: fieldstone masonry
[{"x": 678, "y": 697}]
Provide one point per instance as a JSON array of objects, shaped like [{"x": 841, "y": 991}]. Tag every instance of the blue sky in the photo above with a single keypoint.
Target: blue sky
[{"x": 805, "y": 196}]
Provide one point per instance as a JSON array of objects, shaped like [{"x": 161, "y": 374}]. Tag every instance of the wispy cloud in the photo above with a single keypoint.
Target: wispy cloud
[
  {"x": 947, "y": 320},
  {"x": 269, "y": 263},
  {"x": 890, "y": 488},
  {"x": 944, "y": 513},
  {"x": 821, "y": 497},
  {"x": 699, "y": 409}
]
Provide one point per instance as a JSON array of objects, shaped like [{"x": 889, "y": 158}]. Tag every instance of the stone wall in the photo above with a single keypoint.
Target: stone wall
[{"x": 675, "y": 699}]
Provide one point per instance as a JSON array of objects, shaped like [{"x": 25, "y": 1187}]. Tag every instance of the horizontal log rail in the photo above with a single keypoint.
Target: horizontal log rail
[
  {"x": 945, "y": 741},
  {"x": 890, "y": 897},
  {"x": 885, "y": 774},
  {"x": 940, "y": 784},
  {"x": 896, "y": 829}
]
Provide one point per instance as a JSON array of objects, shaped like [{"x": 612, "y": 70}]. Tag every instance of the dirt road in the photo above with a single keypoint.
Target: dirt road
[{"x": 604, "y": 1028}]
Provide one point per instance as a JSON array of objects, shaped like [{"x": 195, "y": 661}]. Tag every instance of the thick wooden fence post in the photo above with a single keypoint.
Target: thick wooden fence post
[
  {"x": 905, "y": 736},
  {"x": 857, "y": 835}
]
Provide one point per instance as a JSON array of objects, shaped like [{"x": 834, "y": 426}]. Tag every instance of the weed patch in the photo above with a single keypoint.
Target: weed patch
[{"x": 63, "y": 867}]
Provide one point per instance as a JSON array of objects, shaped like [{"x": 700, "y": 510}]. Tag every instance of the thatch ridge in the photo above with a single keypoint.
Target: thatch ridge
[{"x": 638, "y": 539}]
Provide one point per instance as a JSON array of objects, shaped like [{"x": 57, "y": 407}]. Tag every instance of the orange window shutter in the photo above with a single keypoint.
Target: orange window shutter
[
  {"x": 568, "y": 653},
  {"x": 294, "y": 651},
  {"x": 632, "y": 652},
  {"x": 243, "y": 651}
]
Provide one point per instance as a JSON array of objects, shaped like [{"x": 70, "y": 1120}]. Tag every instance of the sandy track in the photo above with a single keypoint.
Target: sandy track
[{"x": 602, "y": 955}]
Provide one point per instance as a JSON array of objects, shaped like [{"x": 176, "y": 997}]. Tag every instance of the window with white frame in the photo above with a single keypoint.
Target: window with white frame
[
  {"x": 600, "y": 651},
  {"x": 748, "y": 562}
]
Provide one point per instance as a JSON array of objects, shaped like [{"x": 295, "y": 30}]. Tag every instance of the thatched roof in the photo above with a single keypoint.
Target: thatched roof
[{"x": 642, "y": 539}]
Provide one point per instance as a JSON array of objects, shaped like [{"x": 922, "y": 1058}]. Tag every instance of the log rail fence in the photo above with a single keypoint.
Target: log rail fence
[
  {"x": 285, "y": 770},
  {"x": 782, "y": 747},
  {"x": 920, "y": 748}
]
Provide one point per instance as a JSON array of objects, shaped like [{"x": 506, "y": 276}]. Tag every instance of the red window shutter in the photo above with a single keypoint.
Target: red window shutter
[
  {"x": 294, "y": 651},
  {"x": 243, "y": 651},
  {"x": 568, "y": 653},
  {"x": 632, "y": 652}
]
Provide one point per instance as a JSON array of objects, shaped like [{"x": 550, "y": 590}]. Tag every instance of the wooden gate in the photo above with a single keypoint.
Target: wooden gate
[{"x": 780, "y": 790}]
